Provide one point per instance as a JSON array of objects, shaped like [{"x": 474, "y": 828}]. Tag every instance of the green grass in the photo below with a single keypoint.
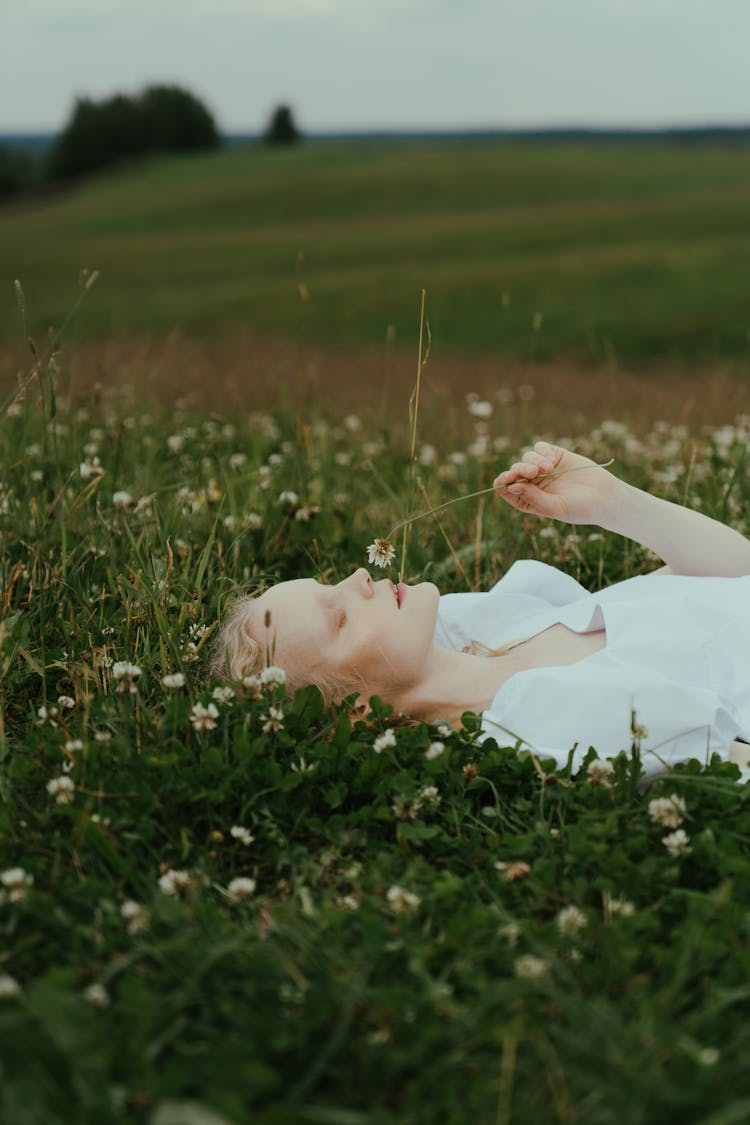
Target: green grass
[
  {"x": 636, "y": 252},
  {"x": 319, "y": 999}
]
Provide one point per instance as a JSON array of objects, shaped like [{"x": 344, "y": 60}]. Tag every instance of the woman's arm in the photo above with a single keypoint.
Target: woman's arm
[{"x": 689, "y": 542}]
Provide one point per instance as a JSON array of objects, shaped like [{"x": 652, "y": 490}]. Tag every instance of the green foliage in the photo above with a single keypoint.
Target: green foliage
[
  {"x": 100, "y": 134},
  {"x": 439, "y": 930},
  {"x": 18, "y": 171}
]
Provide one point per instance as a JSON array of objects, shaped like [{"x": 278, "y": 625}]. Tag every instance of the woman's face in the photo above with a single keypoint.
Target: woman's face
[{"x": 373, "y": 635}]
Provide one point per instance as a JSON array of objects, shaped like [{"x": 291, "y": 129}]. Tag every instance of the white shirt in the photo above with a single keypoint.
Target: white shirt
[{"x": 676, "y": 661}]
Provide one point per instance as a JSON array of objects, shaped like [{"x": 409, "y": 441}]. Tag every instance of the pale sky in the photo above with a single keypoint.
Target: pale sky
[{"x": 392, "y": 64}]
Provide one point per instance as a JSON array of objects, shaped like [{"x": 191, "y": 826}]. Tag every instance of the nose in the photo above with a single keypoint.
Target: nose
[{"x": 361, "y": 582}]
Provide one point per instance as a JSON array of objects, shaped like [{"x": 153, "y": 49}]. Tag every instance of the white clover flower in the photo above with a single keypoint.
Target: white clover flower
[
  {"x": 353, "y": 423},
  {"x": 102, "y": 736},
  {"x": 9, "y": 986},
  {"x": 598, "y": 770},
  {"x": 223, "y": 694},
  {"x": 244, "y": 835},
  {"x": 677, "y": 842},
  {"x": 621, "y": 906},
  {"x": 66, "y": 702},
  {"x": 241, "y": 888},
  {"x": 252, "y": 521},
  {"x": 288, "y": 498},
  {"x": 530, "y": 967},
  {"x": 122, "y": 499},
  {"x": 351, "y": 902},
  {"x": 428, "y": 454},
  {"x": 175, "y": 882},
  {"x": 175, "y": 443},
  {"x": 89, "y": 469},
  {"x": 17, "y": 881},
  {"x": 73, "y": 745},
  {"x": 237, "y": 461},
  {"x": 203, "y": 718},
  {"x": 511, "y": 932},
  {"x": 406, "y": 808},
  {"x": 46, "y": 715},
  {"x": 401, "y": 901},
  {"x": 273, "y": 675},
  {"x": 570, "y": 920},
  {"x": 304, "y": 515},
  {"x": 302, "y": 766},
  {"x": 444, "y": 730},
  {"x": 173, "y": 680},
  {"x": 667, "y": 810},
  {"x": 429, "y": 795},
  {"x": 126, "y": 675},
  {"x": 229, "y": 522},
  {"x": 384, "y": 741},
  {"x": 62, "y": 789},
  {"x": 97, "y": 995},
  {"x": 479, "y": 409},
  {"x": 381, "y": 552},
  {"x": 136, "y": 916},
  {"x": 434, "y": 750},
  {"x": 274, "y": 720},
  {"x": 253, "y": 685}
]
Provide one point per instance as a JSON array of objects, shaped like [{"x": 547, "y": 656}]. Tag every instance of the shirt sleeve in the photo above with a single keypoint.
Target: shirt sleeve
[{"x": 505, "y": 612}]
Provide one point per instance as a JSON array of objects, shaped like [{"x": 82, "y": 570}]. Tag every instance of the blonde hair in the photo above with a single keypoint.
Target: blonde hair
[{"x": 237, "y": 653}]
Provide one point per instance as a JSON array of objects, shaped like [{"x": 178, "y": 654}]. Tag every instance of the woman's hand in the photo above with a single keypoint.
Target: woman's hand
[{"x": 584, "y": 496}]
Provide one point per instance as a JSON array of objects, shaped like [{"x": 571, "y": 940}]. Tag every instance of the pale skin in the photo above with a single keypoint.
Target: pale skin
[{"x": 386, "y": 637}]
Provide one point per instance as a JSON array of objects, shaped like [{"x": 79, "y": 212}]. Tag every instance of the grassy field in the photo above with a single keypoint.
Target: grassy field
[
  {"x": 225, "y": 909},
  {"x": 629, "y": 254}
]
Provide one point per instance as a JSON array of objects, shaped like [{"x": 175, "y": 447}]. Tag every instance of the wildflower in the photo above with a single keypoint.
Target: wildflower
[
  {"x": 351, "y": 902},
  {"x": 640, "y": 732},
  {"x": 304, "y": 515},
  {"x": 676, "y": 843},
  {"x": 667, "y": 810},
  {"x": 621, "y": 906},
  {"x": 62, "y": 788},
  {"x": 18, "y": 881},
  {"x": 174, "y": 882},
  {"x": 46, "y": 715},
  {"x": 73, "y": 745},
  {"x": 401, "y": 900},
  {"x": 126, "y": 675},
  {"x": 102, "y": 736},
  {"x": 406, "y": 808},
  {"x": 252, "y": 521},
  {"x": 530, "y": 967},
  {"x": 89, "y": 469},
  {"x": 708, "y": 1056},
  {"x": 434, "y": 750},
  {"x": 511, "y": 932},
  {"x": 136, "y": 916},
  {"x": 66, "y": 702},
  {"x": 222, "y": 694},
  {"x": 570, "y": 920},
  {"x": 381, "y": 552},
  {"x": 429, "y": 795},
  {"x": 173, "y": 680},
  {"x": 516, "y": 870},
  {"x": 203, "y": 718},
  {"x": 598, "y": 770},
  {"x": 273, "y": 721},
  {"x": 244, "y": 835},
  {"x": 302, "y": 766},
  {"x": 175, "y": 443},
  {"x": 237, "y": 461},
  {"x": 241, "y": 888},
  {"x": 122, "y": 499},
  {"x": 97, "y": 995},
  {"x": 289, "y": 498},
  {"x": 384, "y": 741},
  {"x": 470, "y": 771},
  {"x": 479, "y": 409},
  {"x": 253, "y": 685},
  {"x": 273, "y": 675},
  {"x": 9, "y": 986}
]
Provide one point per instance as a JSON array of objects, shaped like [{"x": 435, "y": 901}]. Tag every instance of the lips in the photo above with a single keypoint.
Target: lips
[{"x": 397, "y": 593}]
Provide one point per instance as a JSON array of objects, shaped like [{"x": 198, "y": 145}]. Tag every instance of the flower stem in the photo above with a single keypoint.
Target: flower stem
[{"x": 482, "y": 491}]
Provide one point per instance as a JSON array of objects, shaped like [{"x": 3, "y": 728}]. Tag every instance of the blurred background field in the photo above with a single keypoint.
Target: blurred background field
[{"x": 613, "y": 275}]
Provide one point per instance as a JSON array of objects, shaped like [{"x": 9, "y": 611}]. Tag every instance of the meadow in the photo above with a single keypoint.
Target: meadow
[
  {"x": 219, "y": 906},
  {"x": 628, "y": 254}
]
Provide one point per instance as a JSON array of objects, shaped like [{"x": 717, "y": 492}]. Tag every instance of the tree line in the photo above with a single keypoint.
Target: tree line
[{"x": 122, "y": 128}]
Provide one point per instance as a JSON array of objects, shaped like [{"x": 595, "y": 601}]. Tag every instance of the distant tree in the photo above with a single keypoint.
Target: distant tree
[
  {"x": 99, "y": 134},
  {"x": 281, "y": 129},
  {"x": 18, "y": 171}
]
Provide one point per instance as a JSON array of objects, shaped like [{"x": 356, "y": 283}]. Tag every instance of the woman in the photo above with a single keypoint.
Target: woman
[{"x": 665, "y": 654}]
